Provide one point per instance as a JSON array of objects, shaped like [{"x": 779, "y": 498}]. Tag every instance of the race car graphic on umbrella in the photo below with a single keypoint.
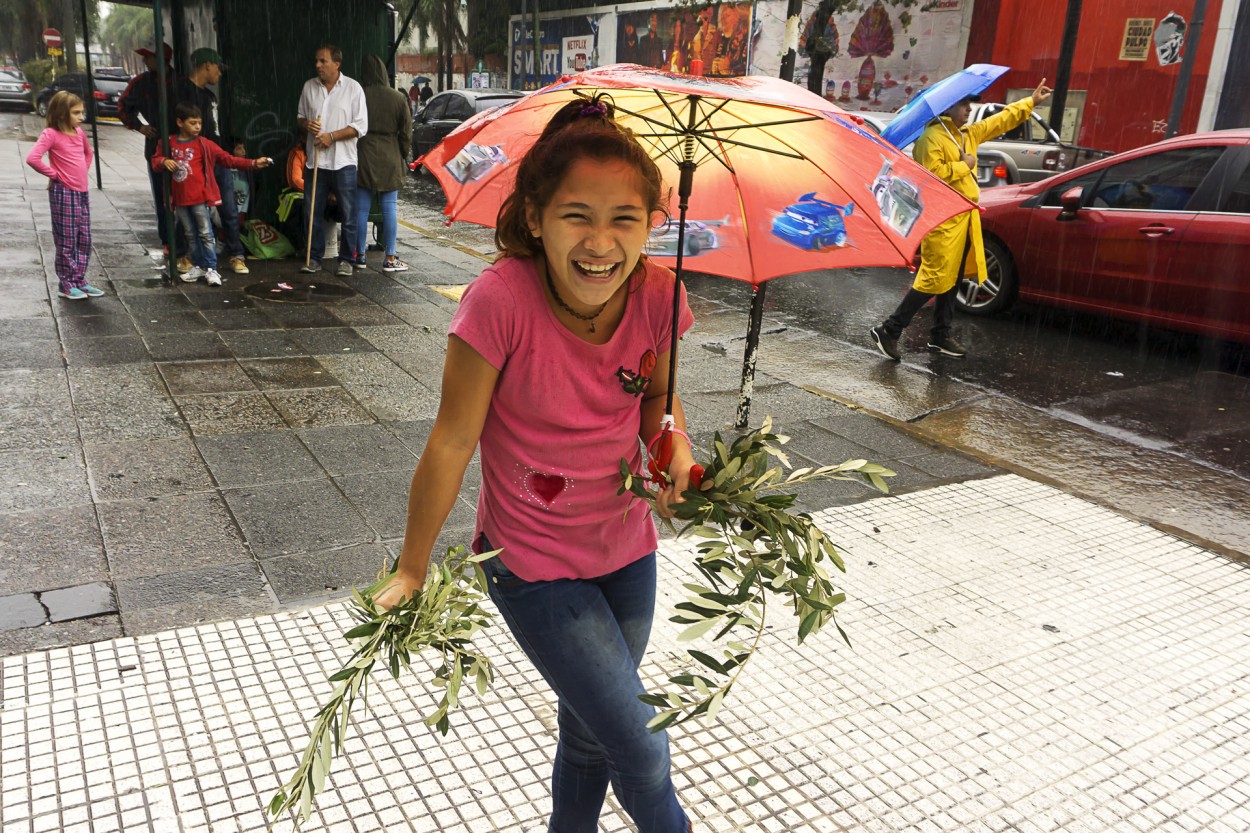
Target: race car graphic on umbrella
[{"x": 786, "y": 181}]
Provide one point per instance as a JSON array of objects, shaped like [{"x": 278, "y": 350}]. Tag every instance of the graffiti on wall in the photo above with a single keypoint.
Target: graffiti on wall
[{"x": 713, "y": 41}]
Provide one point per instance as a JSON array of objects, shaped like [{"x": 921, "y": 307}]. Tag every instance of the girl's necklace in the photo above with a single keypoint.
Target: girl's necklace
[{"x": 591, "y": 318}]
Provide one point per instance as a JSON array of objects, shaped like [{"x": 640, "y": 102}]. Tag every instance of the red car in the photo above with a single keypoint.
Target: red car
[{"x": 1160, "y": 235}]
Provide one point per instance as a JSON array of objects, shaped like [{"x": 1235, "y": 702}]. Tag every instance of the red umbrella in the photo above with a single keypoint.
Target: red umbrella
[{"x": 787, "y": 182}]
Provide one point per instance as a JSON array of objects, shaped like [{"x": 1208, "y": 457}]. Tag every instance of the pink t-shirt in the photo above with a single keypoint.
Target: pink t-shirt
[
  {"x": 70, "y": 157},
  {"x": 563, "y": 414}
]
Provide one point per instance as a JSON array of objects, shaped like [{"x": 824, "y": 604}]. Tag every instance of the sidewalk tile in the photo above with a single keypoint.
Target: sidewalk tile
[
  {"x": 251, "y": 459},
  {"x": 282, "y": 519},
  {"x": 162, "y": 535},
  {"x": 145, "y": 468}
]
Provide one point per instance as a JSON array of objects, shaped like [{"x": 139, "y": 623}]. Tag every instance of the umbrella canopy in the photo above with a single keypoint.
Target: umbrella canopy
[
  {"x": 786, "y": 182},
  {"x": 930, "y": 103}
]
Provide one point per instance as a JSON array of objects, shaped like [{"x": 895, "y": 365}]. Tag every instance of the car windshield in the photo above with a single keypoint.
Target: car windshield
[
  {"x": 800, "y": 215},
  {"x": 490, "y": 102}
]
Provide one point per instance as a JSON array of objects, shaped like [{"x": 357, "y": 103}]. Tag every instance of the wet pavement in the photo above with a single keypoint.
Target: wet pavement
[{"x": 189, "y": 479}]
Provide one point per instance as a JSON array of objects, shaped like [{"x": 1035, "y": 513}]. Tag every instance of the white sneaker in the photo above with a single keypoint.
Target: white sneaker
[
  {"x": 214, "y": 277},
  {"x": 192, "y": 275}
]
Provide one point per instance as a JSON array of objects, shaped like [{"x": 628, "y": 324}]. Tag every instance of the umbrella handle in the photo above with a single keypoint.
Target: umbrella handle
[{"x": 660, "y": 452}]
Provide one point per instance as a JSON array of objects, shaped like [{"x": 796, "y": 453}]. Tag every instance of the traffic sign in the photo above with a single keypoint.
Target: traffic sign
[
  {"x": 51, "y": 38},
  {"x": 55, "y": 52}
]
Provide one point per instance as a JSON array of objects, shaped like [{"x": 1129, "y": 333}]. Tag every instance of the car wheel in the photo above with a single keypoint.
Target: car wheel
[
  {"x": 43, "y": 109},
  {"x": 839, "y": 239},
  {"x": 998, "y": 292},
  {"x": 692, "y": 246}
]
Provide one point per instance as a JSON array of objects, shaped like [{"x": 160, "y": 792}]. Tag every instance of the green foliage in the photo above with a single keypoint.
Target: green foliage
[
  {"x": 444, "y": 617},
  {"x": 488, "y": 28},
  {"x": 751, "y": 548},
  {"x": 39, "y": 73}
]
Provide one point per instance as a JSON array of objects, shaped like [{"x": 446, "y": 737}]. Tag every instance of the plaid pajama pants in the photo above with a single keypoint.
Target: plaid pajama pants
[{"x": 71, "y": 229}]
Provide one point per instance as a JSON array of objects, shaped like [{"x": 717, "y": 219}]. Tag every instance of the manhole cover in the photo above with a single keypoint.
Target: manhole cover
[{"x": 299, "y": 292}]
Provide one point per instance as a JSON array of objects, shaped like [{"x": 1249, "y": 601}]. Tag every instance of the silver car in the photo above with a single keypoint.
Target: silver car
[{"x": 15, "y": 90}]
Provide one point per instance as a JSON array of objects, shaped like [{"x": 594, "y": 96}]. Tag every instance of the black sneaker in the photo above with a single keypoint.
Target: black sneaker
[
  {"x": 947, "y": 346},
  {"x": 886, "y": 344}
]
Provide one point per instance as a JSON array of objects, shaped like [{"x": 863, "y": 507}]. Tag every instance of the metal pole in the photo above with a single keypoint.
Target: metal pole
[
  {"x": 162, "y": 96},
  {"x": 1063, "y": 76},
  {"x": 794, "y": 16},
  {"x": 95, "y": 111},
  {"x": 1187, "y": 67}
]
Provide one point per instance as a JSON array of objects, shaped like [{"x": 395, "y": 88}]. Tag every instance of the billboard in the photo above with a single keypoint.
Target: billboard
[{"x": 714, "y": 41}]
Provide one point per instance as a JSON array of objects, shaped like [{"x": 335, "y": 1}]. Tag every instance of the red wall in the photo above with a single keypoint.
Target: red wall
[{"x": 1127, "y": 100}]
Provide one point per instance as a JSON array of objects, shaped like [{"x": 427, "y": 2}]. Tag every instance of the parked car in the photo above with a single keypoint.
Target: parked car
[
  {"x": 1160, "y": 235},
  {"x": 448, "y": 109},
  {"x": 1030, "y": 152},
  {"x": 106, "y": 92},
  {"x": 14, "y": 90}
]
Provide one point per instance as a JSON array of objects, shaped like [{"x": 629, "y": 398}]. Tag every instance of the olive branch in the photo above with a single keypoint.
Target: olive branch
[
  {"x": 751, "y": 547},
  {"x": 443, "y": 616}
]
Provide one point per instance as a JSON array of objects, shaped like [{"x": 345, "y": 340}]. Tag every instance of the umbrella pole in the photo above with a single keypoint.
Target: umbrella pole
[
  {"x": 748, "y": 358},
  {"x": 684, "y": 187}
]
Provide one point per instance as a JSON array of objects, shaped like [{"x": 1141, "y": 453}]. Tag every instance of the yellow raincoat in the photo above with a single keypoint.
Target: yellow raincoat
[{"x": 940, "y": 148}]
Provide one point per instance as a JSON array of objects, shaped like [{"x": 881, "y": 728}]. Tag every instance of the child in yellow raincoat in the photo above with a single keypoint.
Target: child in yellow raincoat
[{"x": 948, "y": 147}]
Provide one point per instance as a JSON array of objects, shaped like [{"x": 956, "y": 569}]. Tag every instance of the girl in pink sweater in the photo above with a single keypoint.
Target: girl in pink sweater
[{"x": 69, "y": 158}]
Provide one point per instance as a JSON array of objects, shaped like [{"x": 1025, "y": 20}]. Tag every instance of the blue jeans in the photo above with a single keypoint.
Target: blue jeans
[
  {"x": 343, "y": 183},
  {"x": 587, "y": 637},
  {"x": 197, "y": 222},
  {"x": 229, "y": 213},
  {"x": 387, "y": 200}
]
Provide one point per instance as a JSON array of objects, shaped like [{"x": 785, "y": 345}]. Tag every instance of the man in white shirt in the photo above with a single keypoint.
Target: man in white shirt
[{"x": 333, "y": 115}]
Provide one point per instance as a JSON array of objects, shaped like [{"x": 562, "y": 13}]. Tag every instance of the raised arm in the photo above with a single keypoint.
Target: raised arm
[{"x": 468, "y": 383}]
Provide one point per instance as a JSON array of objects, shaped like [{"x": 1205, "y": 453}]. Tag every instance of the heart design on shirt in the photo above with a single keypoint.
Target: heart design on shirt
[{"x": 546, "y": 486}]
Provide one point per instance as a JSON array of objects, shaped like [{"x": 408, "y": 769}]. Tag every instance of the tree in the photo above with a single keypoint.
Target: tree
[
  {"x": 820, "y": 39},
  {"x": 488, "y": 28},
  {"x": 22, "y": 23},
  {"x": 128, "y": 28}
]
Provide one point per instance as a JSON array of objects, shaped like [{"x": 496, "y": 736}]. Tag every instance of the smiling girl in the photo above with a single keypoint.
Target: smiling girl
[
  {"x": 557, "y": 363},
  {"x": 69, "y": 158}
]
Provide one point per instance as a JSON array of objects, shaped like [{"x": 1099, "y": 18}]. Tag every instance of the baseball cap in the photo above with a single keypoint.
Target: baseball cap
[
  {"x": 151, "y": 53},
  {"x": 206, "y": 55}
]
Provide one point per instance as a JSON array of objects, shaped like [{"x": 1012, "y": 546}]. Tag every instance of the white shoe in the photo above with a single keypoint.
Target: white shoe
[
  {"x": 214, "y": 277},
  {"x": 192, "y": 275}
]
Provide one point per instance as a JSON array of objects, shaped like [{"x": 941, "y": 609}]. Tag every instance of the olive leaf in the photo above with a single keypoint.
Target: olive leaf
[
  {"x": 443, "y": 617},
  {"x": 752, "y": 550}
]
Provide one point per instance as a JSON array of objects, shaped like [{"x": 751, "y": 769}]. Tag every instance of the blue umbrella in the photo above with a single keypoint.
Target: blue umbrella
[{"x": 936, "y": 100}]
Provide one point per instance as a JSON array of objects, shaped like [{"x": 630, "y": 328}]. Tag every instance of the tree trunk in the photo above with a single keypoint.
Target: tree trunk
[
  {"x": 69, "y": 35},
  {"x": 816, "y": 74}
]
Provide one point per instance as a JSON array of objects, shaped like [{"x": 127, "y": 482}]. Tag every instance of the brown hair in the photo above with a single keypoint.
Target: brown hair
[
  {"x": 336, "y": 54},
  {"x": 59, "y": 107},
  {"x": 580, "y": 129}
]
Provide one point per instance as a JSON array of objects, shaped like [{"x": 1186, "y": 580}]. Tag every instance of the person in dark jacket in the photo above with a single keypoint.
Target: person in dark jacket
[
  {"x": 193, "y": 89},
  {"x": 139, "y": 109},
  {"x": 382, "y": 153}
]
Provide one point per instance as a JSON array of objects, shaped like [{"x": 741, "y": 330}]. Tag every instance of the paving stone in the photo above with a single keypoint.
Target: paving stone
[
  {"x": 300, "y": 316},
  {"x": 356, "y": 312},
  {"x": 296, "y": 517},
  {"x": 43, "y": 478},
  {"x": 328, "y": 573},
  {"x": 412, "y": 433},
  {"x": 153, "y": 620},
  {"x": 405, "y": 339},
  {"x": 35, "y": 408},
  {"x": 145, "y": 468},
  {"x": 257, "y": 458},
  {"x": 221, "y": 301},
  {"x": 228, "y": 413},
  {"x": 32, "y": 353},
  {"x": 99, "y": 352},
  {"x": 872, "y": 433},
  {"x": 11, "y": 308},
  {"x": 358, "y": 449},
  {"x": 169, "y": 534},
  {"x": 79, "y": 602},
  {"x": 288, "y": 374},
  {"x": 261, "y": 344},
  {"x": 106, "y": 306},
  {"x": 171, "y": 321},
  {"x": 39, "y": 547},
  {"x": 96, "y": 326},
  {"x": 21, "y": 611},
  {"x": 237, "y": 319},
  {"x": 178, "y": 347},
  {"x": 382, "y": 497},
  {"x": 319, "y": 406},
  {"x": 205, "y": 377},
  {"x": 155, "y": 304},
  {"x": 331, "y": 341},
  {"x": 428, "y": 317},
  {"x": 382, "y": 387},
  {"x": 217, "y": 581},
  {"x": 58, "y": 634},
  {"x": 426, "y": 368}
]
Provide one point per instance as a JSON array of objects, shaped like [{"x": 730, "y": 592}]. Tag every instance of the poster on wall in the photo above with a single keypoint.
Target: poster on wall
[
  {"x": 877, "y": 55},
  {"x": 577, "y": 53},
  {"x": 713, "y": 42},
  {"x": 1137, "y": 34},
  {"x": 552, "y": 36},
  {"x": 1170, "y": 39}
]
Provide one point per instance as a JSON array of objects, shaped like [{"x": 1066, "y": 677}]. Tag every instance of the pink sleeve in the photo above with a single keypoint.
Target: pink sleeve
[
  {"x": 485, "y": 319},
  {"x": 35, "y": 157},
  {"x": 86, "y": 147}
]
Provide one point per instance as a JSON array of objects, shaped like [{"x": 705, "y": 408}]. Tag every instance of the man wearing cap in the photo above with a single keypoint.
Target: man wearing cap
[
  {"x": 333, "y": 114},
  {"x": 194, "y": 90},
  {"x": 139, "y": 109},
  {"x": 948, "y": 147}
]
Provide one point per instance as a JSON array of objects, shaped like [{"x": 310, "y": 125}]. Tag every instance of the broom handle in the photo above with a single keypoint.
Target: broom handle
[{"x": 313, "y": 203}]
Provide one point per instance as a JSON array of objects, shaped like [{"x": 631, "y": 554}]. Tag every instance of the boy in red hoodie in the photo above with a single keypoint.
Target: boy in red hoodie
[{"x": 191, "y": 160}]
